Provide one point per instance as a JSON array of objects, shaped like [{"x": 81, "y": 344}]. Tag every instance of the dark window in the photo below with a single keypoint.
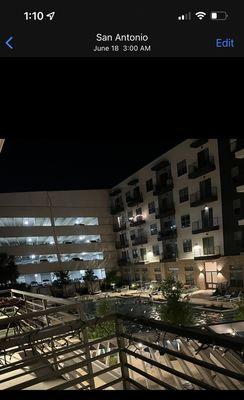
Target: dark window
[
  {"x": 185, "y": 221},
  {"x": 151, "y": 207},
  {"x": 127, "y": 195},
  {"x": 203, "y": 157},
  {"x": 183, "y": 194},
  {"x": 189, "y": 275},
  {"x": 138, "y": 211},
  {"x": 205, "y": 188},
  {"x": 169, "y": 225},
  {"x": 181, "y": 168},
  {"x": 155, "y": 249},
  {"x": 143, "y": 253},
  {"x": 237, "y": 206},
  {"x": 132, "y": 235},
  {"x": 236, "y": 276},
  {"x": 187, "y": 245},
  {"x": 234, "y": 172},
  {"x": 208, "y": 245},
  {"x": 149, "y": 185},
  {"x": 157, "y": 269},
  {"x": 207, "y": 217},
  {"x": 238, "y": 236},
  {"x": 134, "y": 253},
  {"x": 153, "y": 229},
  {"x": 158, "y": 277}
]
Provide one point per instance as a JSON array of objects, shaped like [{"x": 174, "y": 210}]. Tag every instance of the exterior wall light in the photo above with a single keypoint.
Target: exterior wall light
[{"x": 206, "y": 208}]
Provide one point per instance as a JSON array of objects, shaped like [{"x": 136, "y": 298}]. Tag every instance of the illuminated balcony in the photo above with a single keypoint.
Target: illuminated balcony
[{"x": 137, "y": 221}]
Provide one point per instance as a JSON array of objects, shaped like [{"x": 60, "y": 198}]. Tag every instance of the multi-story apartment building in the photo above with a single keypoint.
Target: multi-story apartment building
[
  {"x": 182, "y": 214},
  {"x": 53, "y": 231},
  {"x": 178, "y": 215}
]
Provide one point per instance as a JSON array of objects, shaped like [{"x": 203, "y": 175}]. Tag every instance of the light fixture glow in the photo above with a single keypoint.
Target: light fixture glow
[
  {"x": 33, "y": 256},
  {"x": 206, "y": 208}
]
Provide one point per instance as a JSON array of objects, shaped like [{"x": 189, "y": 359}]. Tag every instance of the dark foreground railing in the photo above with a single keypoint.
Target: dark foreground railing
[{"x": 57, "y": 348}]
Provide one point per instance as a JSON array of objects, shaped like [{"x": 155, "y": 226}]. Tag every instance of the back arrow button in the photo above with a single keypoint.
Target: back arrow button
[{"x": 8, "y": 42}]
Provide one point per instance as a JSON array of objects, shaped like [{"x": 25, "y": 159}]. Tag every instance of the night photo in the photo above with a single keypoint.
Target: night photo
[{"x": 121, "y": 264}]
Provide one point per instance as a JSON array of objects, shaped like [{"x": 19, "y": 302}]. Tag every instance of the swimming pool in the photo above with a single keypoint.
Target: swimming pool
[{"x": 133, "y": 307}]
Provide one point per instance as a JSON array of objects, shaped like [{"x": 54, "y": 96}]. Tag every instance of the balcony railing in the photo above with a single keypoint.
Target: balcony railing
[
  {"x": 121, "y": 244},
  {"x": 167, "y": 234},
  {"x": 137, "y": 221},
  {"x": 198, "y": 143},
  {"x": 117, "y": 209},
  {"x": 134, "y": 200},
  {"x": 169, "y": 255},
  {"x": 119, "y": 228},
  {"x": 139, "y": 240},
  {"x": 239, "y": 151},
  {"x": 207, "y": 254},
  {"x": 199, "y": 226},
  {"x": 162, "y": 188},
  {"x": 139, "y": 261},
  {"x": 195, "y": 170},
  {"x": 163, "y": 357},
  {"x": 165, "y": 211},
  {"x": 198, "y": 198}
]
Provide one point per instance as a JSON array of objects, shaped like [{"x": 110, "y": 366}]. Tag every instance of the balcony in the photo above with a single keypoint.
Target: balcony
[
  {"x": 207, "y": 254},
  {"x": 163, "y": 187},
  {"x": 168, "y": 257},
  {"x": 119, "y": 228},
  {"x": 123, "y": 262},
  {"x": 239, "y": 153},
  {"x": 81, "y": 365},
  {"x": 117, "y": 209},
  {"x": 139, "y": 240},
  {"x": 137, "y": 222},
  {"x": 196, "y": 170},
  {"x": 115, "y": 192},
  {"x": 165, "y": 211},
  {"x": 167, "y": 234},
  {"x": 239, "y": 182},
  {"x": 139, "y": 262},
  {"x": 161, "y": 165},
  {"x": 121, "y": 244},
  {"x": 134, "y": 200},
  {"x": 197, "y": 143},
  {"x": 199, "y": 227},
  {"x": 198, "y": 198}
]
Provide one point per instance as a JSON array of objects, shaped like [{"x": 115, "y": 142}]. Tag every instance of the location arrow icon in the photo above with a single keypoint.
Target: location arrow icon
[{"x": 8, "y": 42}]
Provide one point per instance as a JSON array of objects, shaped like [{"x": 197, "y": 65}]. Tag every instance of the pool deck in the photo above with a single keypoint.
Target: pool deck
[{"x": 200, "y": 297}]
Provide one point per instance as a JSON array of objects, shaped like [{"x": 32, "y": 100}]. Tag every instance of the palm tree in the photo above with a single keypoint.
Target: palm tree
[
  {"x": 90, "y": 278},
  {"x": 8, "y": 269}
]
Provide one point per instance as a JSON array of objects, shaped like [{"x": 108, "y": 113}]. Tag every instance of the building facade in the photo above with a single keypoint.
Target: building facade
[
  {"x": 53, "y": 231},
  {"x": 179, "y": 215}
]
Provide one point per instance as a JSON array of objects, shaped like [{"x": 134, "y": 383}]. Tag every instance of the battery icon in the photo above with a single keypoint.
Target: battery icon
[{"x": 218, "y": 15}]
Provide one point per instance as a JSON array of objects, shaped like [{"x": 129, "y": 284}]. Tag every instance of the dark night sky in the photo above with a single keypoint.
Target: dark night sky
[{"x": 32, "y": 163}]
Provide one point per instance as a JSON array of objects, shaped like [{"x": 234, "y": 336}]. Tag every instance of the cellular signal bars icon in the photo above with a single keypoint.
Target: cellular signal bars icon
[{"x": 185, "y": 17}]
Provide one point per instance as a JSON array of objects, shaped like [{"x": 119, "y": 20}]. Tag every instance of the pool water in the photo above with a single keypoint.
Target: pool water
[{"x": 148, "y": 309}]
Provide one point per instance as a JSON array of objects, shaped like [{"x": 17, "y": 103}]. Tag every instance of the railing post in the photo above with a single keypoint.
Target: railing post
[
  {"x": 86, "y": 348},
  {"x": 122, "y": 356}
]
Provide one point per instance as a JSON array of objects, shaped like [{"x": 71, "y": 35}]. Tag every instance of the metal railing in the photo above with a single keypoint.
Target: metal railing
[
  {"x": 201, "y": 253},
  {"x": 62, "y": 355},
  {"x": 199, "y": 226},
  {"x": 199, "y": 198},
  {"x": 195, "y": 170},
  {"x": 119, "y": 228},
  {"x": 167, "y": 234}
]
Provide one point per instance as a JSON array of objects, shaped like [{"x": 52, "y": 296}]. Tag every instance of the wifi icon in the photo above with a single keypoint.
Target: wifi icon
[{"x": 200, "y": 15}]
